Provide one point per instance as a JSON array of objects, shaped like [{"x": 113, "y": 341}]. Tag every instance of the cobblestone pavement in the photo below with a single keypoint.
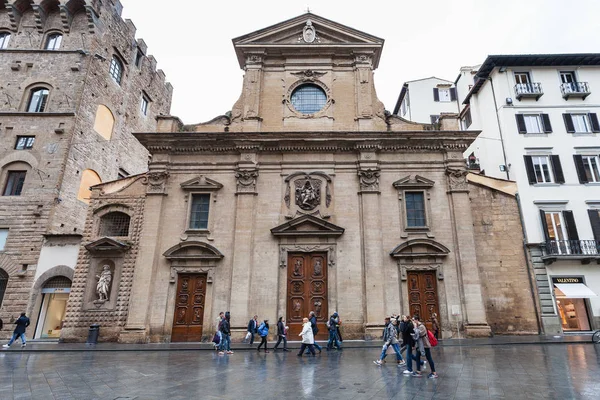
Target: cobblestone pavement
[{"x": 534, "y": 371}]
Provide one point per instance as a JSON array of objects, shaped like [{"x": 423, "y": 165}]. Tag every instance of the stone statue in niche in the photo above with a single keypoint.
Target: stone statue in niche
[
  {"x": 308, "y": 193},
  {"x": 103, "y": 285}
]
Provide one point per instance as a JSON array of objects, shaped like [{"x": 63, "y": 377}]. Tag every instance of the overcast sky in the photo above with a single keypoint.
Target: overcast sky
[{"x": 191, "y": 39}]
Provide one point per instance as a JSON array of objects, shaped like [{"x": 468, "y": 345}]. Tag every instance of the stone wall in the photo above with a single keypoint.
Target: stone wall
[{"x": 505, "y": 280}]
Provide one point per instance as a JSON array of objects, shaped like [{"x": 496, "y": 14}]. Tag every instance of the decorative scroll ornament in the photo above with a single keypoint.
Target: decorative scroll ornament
[
  {"x": 309, "y": 74},
  {"x": 246, "y": 180},
  {"x": 457, "y": 179},
  {"x": 309, "y": 35},
  {"x": 156, "y": 181},
  {"x": 308, "y": 193},
  {"x": 369, "y": 179}
]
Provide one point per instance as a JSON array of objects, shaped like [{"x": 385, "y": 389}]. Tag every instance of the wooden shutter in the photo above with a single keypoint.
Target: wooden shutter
[
  {"x": 436, "y": 94},
  {"x": 595, "y": 221},
  {"x": 529, "y": 169},
  {"x": 521, "y": 123},
  {"x": 544, "y": 225},
  {"x": 546, "y": 123},
  {"x": 570, "y": 225},
  {"x": 453, "y": 94},
  {"x": 580, "y": 169},
  {"x": 569, "y": 123},
  {"x": 594, "y": 121},
  {"x": 557, "y": 169}
]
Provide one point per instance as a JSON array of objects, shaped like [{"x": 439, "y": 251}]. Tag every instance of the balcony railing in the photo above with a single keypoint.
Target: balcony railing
[
  {"x": 575, "y": 89},
  {"x": 574, "y": 248},
  {"x": 528, "y": 90}
]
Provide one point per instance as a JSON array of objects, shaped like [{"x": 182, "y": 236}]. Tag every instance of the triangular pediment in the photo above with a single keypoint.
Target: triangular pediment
[
  {"x": 193, "y": 250},
  {"x": 307, "y": 225},
  {"x": 107, "y": 245},
  {"x": 420, "y": 248},
  {"x": 201, "y": 183},
  {"x": 290, "y": 35},
  {"x": 418, "y": 182}
]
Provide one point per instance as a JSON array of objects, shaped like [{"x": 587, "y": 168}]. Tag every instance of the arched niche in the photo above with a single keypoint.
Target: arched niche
[
  {"x": 104, "y": 122},
  {"x": 89, "y": 178}
]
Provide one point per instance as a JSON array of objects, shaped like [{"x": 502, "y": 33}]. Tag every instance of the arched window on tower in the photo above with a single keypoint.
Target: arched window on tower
[
  {"x": 104, "y": 122},
  {"x": 89, "y": 178},
  {"x": 53, "y": 41},
  {"x": 4, "y": 39},
  {"x": 38, "y": 99},
  {"x": 116, "y": 70}
]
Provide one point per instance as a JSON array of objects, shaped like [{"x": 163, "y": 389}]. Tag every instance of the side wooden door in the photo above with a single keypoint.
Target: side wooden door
[
  {"x": 189, "y": 308},
  {"x": 307, "y": 291},
  {"x": 422, "y": 295}
]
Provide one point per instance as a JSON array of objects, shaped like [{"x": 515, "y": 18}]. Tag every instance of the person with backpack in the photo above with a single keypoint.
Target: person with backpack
[
  {"x": 423, "y": 347},
  {"x": 312, "y": 318},
  {"x": 389, "y": 339},
  {"x": 332, "y": 325},
  {"x": 22, "y": 323},
  {"x": 281, "y": 334},
  {"x": 263, "y": 332}
]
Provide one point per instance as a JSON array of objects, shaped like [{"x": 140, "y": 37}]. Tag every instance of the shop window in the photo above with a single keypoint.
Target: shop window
[
  {"x": 114, "y": 224},
  {"x": 38, "y": 100},
  {"x": 104, "y": 122},
  {"x": 89, "y": 178},
  {"x": 199, "y": 209},
  {"x": 3, "y": 283},
  {"x": 14, "y": 183},
  {"x": 55, "y": 294}
]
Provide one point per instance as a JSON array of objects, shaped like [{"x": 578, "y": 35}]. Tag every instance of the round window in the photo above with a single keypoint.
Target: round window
[{"x": 308, "y": 99}]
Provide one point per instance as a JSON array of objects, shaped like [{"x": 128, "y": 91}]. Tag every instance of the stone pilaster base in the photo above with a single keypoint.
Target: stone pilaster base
[
  {"x": 133, "y": 335},
  {"x": 551, "y": 325},
  {"x": 373, "y": 331},
  {"x": 477, "y": 331}
]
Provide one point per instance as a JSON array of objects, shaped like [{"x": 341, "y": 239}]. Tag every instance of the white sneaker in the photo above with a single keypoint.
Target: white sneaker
[
  {"x": 5, "y": 346},
  {"x": 24, "y": 344},
  {"x": 377, "y": 362},
  {"x": 407, "y": 372}
]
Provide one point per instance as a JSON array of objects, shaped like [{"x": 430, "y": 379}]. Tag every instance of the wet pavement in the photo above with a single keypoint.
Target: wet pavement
[{"x": 509, "y": 371}]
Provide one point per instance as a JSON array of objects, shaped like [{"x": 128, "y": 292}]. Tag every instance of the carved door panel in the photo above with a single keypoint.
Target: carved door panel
[
  {"x": 307, "y": 291},
  {"x": 422, "y": 295},
  {"x": 189, "y": 308}
]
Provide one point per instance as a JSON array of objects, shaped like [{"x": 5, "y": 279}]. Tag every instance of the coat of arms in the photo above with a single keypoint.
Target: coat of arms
[{"x": 308, "y": 193}]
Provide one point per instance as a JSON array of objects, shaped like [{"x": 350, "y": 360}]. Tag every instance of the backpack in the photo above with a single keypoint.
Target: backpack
[
  {"x": 262, "y": 330},
  {"x": 432, "y": 340}
]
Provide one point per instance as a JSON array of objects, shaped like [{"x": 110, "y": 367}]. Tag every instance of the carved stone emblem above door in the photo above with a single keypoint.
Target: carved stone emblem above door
[
  {"x": 308, "y": 193},
  {"x": 308, "y": 188}
]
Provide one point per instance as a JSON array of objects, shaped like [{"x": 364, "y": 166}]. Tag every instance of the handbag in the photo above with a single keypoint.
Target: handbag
[
  {"x": 216, "y": 338},
  {"x": 432, "y": 340}
]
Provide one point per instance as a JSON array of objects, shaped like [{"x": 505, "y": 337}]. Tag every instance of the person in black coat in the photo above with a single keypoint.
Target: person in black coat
[
  {"x": 22, "y": 323},
  {"x": 226, "y": 334},
  {"x": 281, "y": 335},
  {"x": 253, "y": 328},
  {"x": 407, "y": 330}
]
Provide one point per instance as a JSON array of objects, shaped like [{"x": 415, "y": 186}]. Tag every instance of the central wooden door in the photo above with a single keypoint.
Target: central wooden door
[
  {"x": 189, "y": 308},
  {"x": 422, "y": 296},
  {"x": 306, "y": 292}
]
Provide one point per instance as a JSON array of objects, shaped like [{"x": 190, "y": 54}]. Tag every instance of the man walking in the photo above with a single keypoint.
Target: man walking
[
  {"x": 252, "y": 328},
  {"x": 22, "y": 323},
  {"x": 226, "y": 335},
  {"x": 389, "y": 339},
  {"x": 307, "y": 338},
  {"x": 332, "y": 325}
]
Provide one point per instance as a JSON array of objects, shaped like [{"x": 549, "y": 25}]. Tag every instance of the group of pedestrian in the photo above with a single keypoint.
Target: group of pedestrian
[
  {"x": 415, "y": 336},
  {"x": 21, "y": 325}
]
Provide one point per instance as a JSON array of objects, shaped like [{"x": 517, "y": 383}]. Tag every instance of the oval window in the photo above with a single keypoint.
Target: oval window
[{"x": 308, "y": 99}]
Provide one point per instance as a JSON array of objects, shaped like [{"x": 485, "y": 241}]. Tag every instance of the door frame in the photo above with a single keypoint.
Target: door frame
[{"x": 307, "y": 247}]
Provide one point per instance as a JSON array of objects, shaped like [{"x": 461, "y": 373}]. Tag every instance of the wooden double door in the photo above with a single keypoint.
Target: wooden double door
[
  {"x": 189, "y": 308},
  {"x": 306, "y": 292},
  {"x": 422, "y": 296}
]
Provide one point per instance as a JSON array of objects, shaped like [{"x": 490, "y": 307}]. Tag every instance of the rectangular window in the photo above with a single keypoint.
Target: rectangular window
[
  {"x": 591, "y": 167},
  {"x": 199, "y": 211},
  {"x": 14, "y": 183},
  {"x": 122, "y": 173},
  {"x": 444, "y": 94},
  {"x": 24, "y": 142},
  {"x": 533, "y": 123},
  {"x": 144, "y": 107},
  {"x": 415, "y": 210},
  {"x": 541, "y": 167},
  {"x": 3, "y": 236},
  {"x": 4, "y": 38},
  {"x": 138, "y": 58},
  {"x": 434, "y": 119},
  {"x": 466, "y": 121},
  {"x": 581, "y": 123},
  {"x": 522, "y": 78},
  {"x": 567, "y": 77}
]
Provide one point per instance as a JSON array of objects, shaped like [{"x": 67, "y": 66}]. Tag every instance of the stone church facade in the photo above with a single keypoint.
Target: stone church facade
[{"x": 307, "y": 196}]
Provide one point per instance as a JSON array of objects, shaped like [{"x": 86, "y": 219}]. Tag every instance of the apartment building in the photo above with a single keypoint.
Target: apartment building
[{"x": 424, "y": 100}]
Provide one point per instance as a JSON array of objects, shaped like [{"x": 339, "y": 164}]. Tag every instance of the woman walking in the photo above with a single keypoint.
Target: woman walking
[
  {"x": 281, "y": 334},
  {"x": 423, "y": 346},
  {"x": 263, "y": 332}
]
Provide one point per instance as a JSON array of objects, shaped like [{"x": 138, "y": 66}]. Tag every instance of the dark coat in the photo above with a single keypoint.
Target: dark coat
[
  {"x": 407, "y": 330},
  {"x": 280, "y": 328},
  {"x": 252, "y": 326},
  {"x": 313, "y": 325},
  {"x": 22, "y": 323},
  {"x": 225, "y": 327}
]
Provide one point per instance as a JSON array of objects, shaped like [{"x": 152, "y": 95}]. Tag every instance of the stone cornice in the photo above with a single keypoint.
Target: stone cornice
[{"x": 195, "y": 142}]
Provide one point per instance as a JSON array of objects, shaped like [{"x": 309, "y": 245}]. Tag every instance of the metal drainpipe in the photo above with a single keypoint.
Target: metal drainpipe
[
  {"x": 499, "y": 128},
  {"x": 530, "y": 271}
]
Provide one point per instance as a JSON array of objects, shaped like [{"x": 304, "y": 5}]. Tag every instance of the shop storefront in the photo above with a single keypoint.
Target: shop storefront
[
  {"x": 55, "y": 294},
  {"x": 572, "y": 302}
]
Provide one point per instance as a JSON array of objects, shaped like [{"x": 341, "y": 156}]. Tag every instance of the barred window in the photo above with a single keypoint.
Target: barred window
[
  {"x": 115, "y": 224},
  {"x": 309, "y": 99},
  {"x": 3, "y": 283},
  {"x": 58, "y": 282},
  {"x": 116, "y": 70}
]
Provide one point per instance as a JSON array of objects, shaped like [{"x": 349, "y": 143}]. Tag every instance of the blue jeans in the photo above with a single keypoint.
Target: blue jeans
[
  {"x": 15, "y": 336},
  {"x": 396, "y": 348},
  {"x": 409, "y": 357},
  {"x": 225, "y": 343},
  {"x": 333, "y": 340}
]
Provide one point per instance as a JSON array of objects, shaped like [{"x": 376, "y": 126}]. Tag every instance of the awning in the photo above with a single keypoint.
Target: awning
[{"x": 574, "y": 291}]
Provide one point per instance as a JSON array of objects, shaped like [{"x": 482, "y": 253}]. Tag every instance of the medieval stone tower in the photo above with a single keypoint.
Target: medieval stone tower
[{"x": 74, "y": 84}]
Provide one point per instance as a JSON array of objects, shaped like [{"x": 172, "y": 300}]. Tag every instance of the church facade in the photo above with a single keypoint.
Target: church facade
[{"x": 307, "y": 196}]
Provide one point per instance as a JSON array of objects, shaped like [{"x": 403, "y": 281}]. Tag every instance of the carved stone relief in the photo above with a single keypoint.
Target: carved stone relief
[
  {"x": 420, "y": 267},
  {"x": 309, "y": 34},
  {"x": 246, "y": 180},
  {"x": 156, "y": 181},
  {"x": 369, "y": 179},
  {"x": 457, "y": 179},
  {"x": 308, "y": 191},
  {"x": 329, "y": 248}
]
